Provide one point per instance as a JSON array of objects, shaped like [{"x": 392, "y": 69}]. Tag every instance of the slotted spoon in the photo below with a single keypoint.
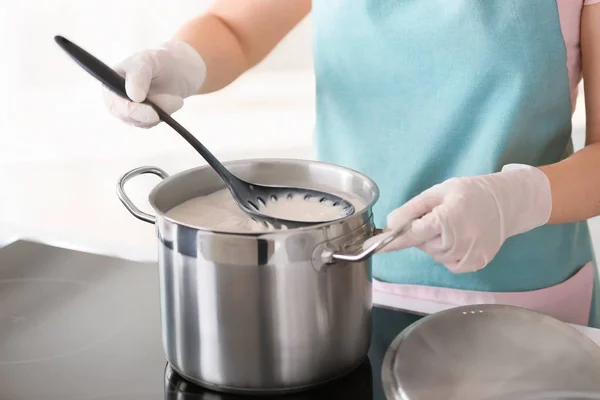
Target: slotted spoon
[{"x": 250, "y": 197}]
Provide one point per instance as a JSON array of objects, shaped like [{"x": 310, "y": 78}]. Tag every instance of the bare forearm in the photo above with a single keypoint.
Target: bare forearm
[
  {"x": 575, "y": 185},
  {"x": 575, "y": 182},
  {"x": 219, "y": 48},
  {"x": 235, "y": 35}
]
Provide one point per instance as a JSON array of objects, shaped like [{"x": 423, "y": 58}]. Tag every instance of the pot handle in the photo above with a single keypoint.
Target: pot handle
[
  {"x": 330, "y": 256},
  {"x": 132, "y": 208}
]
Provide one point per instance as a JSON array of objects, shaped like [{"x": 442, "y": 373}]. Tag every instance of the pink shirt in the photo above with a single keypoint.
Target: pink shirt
[{"x": 570, "y": 22}]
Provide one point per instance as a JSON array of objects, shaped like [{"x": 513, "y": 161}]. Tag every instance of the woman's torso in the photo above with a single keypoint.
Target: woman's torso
[{"x": 412, "y": 93}]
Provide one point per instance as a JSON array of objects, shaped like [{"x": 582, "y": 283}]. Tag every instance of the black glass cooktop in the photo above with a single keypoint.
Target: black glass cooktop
[{"x": 80, "y": 326}]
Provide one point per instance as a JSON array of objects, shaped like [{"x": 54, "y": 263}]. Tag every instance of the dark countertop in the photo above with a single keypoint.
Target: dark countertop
[{"x": 80, "y": 326}]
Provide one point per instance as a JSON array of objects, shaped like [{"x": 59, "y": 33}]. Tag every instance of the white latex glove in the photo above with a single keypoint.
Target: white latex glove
[
  {"x": 463, "y": 222},
  {"x": 167, "y": 75}
]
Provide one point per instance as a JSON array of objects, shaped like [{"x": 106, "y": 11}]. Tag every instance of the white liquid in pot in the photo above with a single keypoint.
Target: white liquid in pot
[
  {"x": 299, "y": 209},
  {"x": 218, "y": 211}
]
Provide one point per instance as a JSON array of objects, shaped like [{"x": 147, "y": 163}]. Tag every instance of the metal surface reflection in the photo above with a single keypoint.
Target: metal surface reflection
[
  {"x": 490, "y": 351},
  {"x": 356, "y": 385}
]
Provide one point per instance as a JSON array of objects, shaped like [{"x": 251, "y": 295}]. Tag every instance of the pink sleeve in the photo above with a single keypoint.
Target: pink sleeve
[{"x": 590, "y": 2}]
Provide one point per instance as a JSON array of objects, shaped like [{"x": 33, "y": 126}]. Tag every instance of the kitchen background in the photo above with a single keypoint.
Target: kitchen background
[{"x": 61, "y": 152}]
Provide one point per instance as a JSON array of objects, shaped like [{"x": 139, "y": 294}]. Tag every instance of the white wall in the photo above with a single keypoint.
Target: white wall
[{"x": 52, "y": 110}]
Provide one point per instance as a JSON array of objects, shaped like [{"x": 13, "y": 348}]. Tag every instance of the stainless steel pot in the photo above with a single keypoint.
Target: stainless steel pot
[{"x": 272, "y": 312}]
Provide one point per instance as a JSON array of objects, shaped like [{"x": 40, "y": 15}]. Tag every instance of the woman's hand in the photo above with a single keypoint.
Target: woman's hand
[
  {"x": 463, "y": 222},
  {"x": 166, "y": 75},
  {"x": 232, "y": 37}
]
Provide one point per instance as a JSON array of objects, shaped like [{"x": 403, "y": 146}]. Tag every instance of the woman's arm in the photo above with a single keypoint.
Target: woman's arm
[
  {"x": 235, "y": 35},
  {"x": 575, "y": 182}
]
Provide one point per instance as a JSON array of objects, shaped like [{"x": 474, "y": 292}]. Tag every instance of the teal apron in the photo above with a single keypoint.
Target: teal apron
[{"x": 413, "y": 92}]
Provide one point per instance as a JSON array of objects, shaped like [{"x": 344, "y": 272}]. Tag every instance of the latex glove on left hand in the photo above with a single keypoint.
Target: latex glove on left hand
[{"x": 463, "y": 222}]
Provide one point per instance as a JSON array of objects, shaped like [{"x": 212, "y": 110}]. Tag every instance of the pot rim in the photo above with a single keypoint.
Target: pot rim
[{"x": 162, "y": 215}]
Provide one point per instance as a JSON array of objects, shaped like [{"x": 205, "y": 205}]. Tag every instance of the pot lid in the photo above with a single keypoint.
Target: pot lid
[{"x": 491, "y": 352}]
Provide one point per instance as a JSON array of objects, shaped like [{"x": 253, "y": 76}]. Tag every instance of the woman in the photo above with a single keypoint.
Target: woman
[{"x": 460, "y": 111}]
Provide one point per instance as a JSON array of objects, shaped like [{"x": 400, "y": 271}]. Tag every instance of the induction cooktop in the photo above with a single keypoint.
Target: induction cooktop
[{"x": 74, "y": 325}]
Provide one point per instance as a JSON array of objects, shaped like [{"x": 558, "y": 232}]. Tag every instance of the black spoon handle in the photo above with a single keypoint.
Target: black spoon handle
[
  {"x": 95, "y": 67},
  {"x": 116, "y": 83},
  {"x": 195, "y": 143}
]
